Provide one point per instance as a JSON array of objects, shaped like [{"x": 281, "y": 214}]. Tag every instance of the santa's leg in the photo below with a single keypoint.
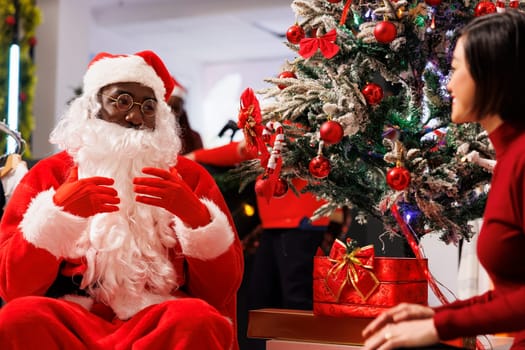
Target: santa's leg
[
  {"x": 49, "y": 324},
  {"x": 179, "y": 324}
]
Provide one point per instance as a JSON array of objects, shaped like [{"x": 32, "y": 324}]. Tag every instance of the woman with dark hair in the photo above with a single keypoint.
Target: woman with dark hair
[
  {"x": 191, "y": 139},
  {"x": 486, "y": 88}
]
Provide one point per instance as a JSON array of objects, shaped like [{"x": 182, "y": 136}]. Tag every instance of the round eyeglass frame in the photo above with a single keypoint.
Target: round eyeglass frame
[{"x": 125, "y": 106}]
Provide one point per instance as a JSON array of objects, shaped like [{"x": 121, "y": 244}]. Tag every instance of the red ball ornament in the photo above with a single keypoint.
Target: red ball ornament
[
  {"x": 385, "y": 32},
  {"x": 319, "y": 167},
  {"x": 373, "y": 93},
  {"x": 484, "y": 8},
  {"x": 10, "y": 20},
  {"x": 398, "y": 178},
  {"x": 262, "y": 186},
  {"x": 433, "y": 2},
  {"x": 22, "y": 96},
  {"x": 331, "y": 132},
  {"x": 286, "y": 74},
  {"x": 295, "y": 34},
  {"x": 281, "y": 187},
  {"x": 32, "y": 41}
]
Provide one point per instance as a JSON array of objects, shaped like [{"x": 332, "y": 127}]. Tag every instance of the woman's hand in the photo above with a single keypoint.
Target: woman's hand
[
  {"x": 406, "y": 334},
  {"x": 398, "y": 313}
]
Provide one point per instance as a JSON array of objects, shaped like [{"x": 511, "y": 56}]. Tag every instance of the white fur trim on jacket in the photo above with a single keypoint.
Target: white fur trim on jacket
[
  {"x": 207, "y": 242},
  {"x": 47, "y": 226},
  {"x": 126, "y": 305}
]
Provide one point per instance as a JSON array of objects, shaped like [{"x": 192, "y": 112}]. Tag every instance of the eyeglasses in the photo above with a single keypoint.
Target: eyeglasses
[{"x": 124, "y": 103}]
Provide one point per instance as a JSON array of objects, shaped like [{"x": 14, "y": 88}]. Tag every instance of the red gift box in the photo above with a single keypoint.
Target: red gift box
[{"x": 358, "y": 284}]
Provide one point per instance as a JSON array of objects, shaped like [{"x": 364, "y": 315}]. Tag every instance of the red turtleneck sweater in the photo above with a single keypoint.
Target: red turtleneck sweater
[{"x": 501, "y": 251}]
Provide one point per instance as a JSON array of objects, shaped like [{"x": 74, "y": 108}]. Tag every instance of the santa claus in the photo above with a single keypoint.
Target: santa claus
[{"x": 116, "y": 241}]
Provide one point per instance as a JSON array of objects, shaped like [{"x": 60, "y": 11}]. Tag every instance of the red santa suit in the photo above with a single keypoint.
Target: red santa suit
[{"x": 149, "y": 282}]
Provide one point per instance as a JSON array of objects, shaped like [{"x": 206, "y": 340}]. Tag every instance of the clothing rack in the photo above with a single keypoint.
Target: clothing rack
[
  {"x": 9, "y": 161},
  {"x": 20, "y": 142}
]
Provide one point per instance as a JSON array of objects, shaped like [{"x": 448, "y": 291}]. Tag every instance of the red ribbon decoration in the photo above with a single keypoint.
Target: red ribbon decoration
[
  {"x": 345, "y": 12},
  {"x": 417, "y": 252},
  {"x": 326, "y": 43},
  {"x": 354, "y": 268},
  {"x": 250, "y": 121}
]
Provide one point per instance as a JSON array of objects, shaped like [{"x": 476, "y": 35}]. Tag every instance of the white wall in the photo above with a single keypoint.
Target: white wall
[{"x": 60, "y": 57}]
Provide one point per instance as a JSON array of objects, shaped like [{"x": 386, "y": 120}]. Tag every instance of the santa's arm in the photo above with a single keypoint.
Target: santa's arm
[
  {"x": 213, "y": 252},
  {"x": 27, "y": 268}
]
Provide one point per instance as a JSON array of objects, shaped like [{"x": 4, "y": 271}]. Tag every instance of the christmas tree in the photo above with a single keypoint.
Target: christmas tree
[{"x": 365, "y": 115}]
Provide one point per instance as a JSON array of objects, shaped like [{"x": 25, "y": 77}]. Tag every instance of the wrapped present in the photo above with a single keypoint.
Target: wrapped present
[{"x": 353, "y": 282}]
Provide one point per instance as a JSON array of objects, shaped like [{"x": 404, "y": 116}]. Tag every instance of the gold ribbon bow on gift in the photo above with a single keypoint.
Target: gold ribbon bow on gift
[{"x": 354, "y": 268}]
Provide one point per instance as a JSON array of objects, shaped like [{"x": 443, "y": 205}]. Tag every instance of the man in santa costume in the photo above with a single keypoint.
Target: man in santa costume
[{"x": 116, "y": 242}]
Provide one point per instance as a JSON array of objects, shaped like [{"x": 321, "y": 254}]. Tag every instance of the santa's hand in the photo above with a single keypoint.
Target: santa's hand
[
  {"x": 169, "y": 191},
  {"x": 86, "y": 197}
]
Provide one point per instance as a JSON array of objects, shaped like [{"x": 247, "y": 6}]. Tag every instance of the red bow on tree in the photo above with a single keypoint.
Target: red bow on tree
[
  {"x": 326, "y": 43},
  {"x": 250, "y": 121}
]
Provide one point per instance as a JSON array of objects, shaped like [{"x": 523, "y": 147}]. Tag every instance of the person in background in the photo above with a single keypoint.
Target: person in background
[
  {"x": 282, "y": 269},
  {"x": 488, "y": 72},
  {"x": 191, "y": 139},
  {"x": 117, "y": 242}
]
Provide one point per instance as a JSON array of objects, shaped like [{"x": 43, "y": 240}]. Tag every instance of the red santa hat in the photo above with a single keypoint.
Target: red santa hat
[
  {"x": 178, "y": 90},
  {"x": 143, "y": 67}
]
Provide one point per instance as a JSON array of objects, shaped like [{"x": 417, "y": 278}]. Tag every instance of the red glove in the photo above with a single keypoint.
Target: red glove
[
  {"x": 169, "y": 191},
  {"x": 86, "y": 197}
]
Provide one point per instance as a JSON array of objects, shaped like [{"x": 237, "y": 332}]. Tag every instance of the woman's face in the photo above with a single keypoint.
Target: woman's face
[{"x": 461, "y": 87}]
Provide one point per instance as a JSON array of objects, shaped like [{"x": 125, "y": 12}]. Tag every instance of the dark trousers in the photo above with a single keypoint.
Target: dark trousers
[{"x": 281, "y": 271}]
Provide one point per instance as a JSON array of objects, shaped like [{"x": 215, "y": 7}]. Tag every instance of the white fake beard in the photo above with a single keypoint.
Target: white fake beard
[{"x": 127, "y": 251}]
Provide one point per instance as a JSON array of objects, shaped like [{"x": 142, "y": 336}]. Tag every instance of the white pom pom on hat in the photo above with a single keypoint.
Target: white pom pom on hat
[
  {"x": 179, "y": 90},
  {"x": 143, "y": 67}
]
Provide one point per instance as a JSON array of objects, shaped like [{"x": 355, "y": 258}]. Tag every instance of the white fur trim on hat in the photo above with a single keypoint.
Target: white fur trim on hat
[
  {"x": 207, "y": 242},
  {"x": 122, "y": 69}
]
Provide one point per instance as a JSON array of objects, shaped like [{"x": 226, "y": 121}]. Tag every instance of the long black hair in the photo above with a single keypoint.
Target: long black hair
[{"x": 495, "y": 52}]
